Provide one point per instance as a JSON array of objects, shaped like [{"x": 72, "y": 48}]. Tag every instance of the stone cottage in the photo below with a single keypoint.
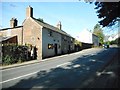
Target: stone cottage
[{"x": 49, "y": 40}]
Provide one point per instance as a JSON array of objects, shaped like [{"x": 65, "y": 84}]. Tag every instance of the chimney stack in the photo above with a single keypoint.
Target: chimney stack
[
  {"x": 13, "y": 22},
  {"x": 59, "y": 26},
  {"x": 29, "y": 12}
]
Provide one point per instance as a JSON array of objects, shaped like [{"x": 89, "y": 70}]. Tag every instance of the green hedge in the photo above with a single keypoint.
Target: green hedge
[{"x": 14, "y": 53}]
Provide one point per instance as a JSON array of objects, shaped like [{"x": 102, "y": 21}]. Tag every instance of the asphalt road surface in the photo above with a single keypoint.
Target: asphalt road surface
[{"x": 74, "y": 70}]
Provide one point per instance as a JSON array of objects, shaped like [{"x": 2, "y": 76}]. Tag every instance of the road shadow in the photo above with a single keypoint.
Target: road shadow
[{"x": 78, "y": 73}]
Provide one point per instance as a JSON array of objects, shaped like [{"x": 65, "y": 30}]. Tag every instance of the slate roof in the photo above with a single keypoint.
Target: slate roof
[
  {"x": 46, "y": 25},
  {"x": 10, "y": 28}
]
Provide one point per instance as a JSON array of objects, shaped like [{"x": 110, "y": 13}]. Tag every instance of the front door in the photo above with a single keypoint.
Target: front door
[{"x": 55, "y": 46}]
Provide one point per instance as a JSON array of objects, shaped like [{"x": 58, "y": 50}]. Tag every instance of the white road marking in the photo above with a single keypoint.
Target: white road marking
[
  {"x": 18, "y": 67},
  {"x": 93, "y": 60},
  {"x": 29, "y": 73},
  {"x": 76, "y": 66},
  {"x": 63, "y": 64},
  {"x": 19, "y": 77}
]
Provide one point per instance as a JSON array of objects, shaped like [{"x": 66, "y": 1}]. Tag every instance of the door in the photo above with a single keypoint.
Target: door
[
  {"x": 55, "y": 47},
  {"x": 69, "y": 49}
]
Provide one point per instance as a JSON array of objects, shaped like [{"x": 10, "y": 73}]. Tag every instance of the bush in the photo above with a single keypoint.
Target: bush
[
  {"x": 14, "y": 53},
  {"x": 7, "y": 60}
]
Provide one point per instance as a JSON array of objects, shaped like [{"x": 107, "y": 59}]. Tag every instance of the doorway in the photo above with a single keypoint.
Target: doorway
[
  {"x": 55, "y": 46},
  {"x": 69, "y": 49}
]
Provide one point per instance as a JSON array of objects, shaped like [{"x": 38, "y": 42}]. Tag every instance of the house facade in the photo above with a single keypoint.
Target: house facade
[
  {"x": 88, "y": 37},
  {"x": 95, "y": 40},
  {"x": 49, "y": 40},
  {"x": 114, "y": 36}
]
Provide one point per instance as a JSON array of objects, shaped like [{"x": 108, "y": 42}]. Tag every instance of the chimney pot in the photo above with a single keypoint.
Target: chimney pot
[
  {"x": 59, "y": 25},
  {"x": 13, "y": 22}
]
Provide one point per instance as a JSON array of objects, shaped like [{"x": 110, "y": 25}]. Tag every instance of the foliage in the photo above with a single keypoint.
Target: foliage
[
  {"x": 108, "y": 12},
  {"x": 7, "y": 60},
  {"x": 78, "y": 43},
  {"x": 14, "y": 53},
  {"x": 108, "y": 42},
  {"x": 98, "y": 32},
  {"x": 81, "y": 45},
  {"x": 40, "y": 19},
  {"x": 116, "y": 41}
]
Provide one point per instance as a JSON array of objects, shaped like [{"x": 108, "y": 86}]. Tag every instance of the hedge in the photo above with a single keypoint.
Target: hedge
[{"x": 14, "y": 53}]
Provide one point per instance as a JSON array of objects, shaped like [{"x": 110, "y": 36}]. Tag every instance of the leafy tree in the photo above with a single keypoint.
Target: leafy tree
[
  {"x": 98, "y": 32},
  {"x": 108, "y": 12},
  {"x": 116, "y": 41}
]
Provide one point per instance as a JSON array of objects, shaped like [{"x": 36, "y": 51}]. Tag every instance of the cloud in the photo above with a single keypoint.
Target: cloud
[{"x": 12, "y": 5}]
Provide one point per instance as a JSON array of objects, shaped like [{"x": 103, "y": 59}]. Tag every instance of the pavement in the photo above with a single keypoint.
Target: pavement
[
  {"x": 19, "y": 64},
  {"x": 38, "y": 61},
  {"x": 27, "y": 63}
]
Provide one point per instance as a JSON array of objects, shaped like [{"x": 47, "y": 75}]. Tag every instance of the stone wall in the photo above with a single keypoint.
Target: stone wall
[
  {"x": 11, "y": 32},
  {"x": 32, "y": 35}
]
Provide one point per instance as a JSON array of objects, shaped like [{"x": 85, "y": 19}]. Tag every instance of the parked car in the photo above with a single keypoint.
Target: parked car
[{"x": 105, "y": 46}]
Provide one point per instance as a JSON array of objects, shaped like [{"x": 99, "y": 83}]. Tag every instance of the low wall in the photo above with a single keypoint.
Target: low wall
[{"x": 86, "y": 45}]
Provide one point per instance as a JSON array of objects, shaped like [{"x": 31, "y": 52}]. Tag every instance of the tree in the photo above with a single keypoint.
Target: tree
[
  {"x": 98, "y": 32},
  {"x": 108, "y": 12},
  {"x": 40, "y": 19}
]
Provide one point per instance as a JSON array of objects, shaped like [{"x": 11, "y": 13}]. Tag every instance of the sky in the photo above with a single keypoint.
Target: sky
[{"x": 74, "y": 16}]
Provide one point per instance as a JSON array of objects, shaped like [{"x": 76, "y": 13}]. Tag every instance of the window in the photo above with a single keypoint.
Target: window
[
  {"x": 71, "y": 40},
  {"x": 50, "y": 46},
  {"x": 50, "y": 33},
  {"x": 65, "y": 38}
]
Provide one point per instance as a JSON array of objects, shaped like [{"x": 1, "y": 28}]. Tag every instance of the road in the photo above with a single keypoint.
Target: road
[{"x": 74, "y": 70}]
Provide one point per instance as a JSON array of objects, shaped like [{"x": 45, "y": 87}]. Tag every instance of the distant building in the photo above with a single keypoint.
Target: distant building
[
  {"x": 48, "y": 40},
  {"x": 106, "y": 37},
  {"x": 113, "y": 37},
  {"x": 88, "y": 37}
]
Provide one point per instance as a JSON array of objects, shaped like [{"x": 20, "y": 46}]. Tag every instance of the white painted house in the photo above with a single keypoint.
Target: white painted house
[
  {"x": 114, "y": 37},
  {"x": 88, "y": 37}
]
